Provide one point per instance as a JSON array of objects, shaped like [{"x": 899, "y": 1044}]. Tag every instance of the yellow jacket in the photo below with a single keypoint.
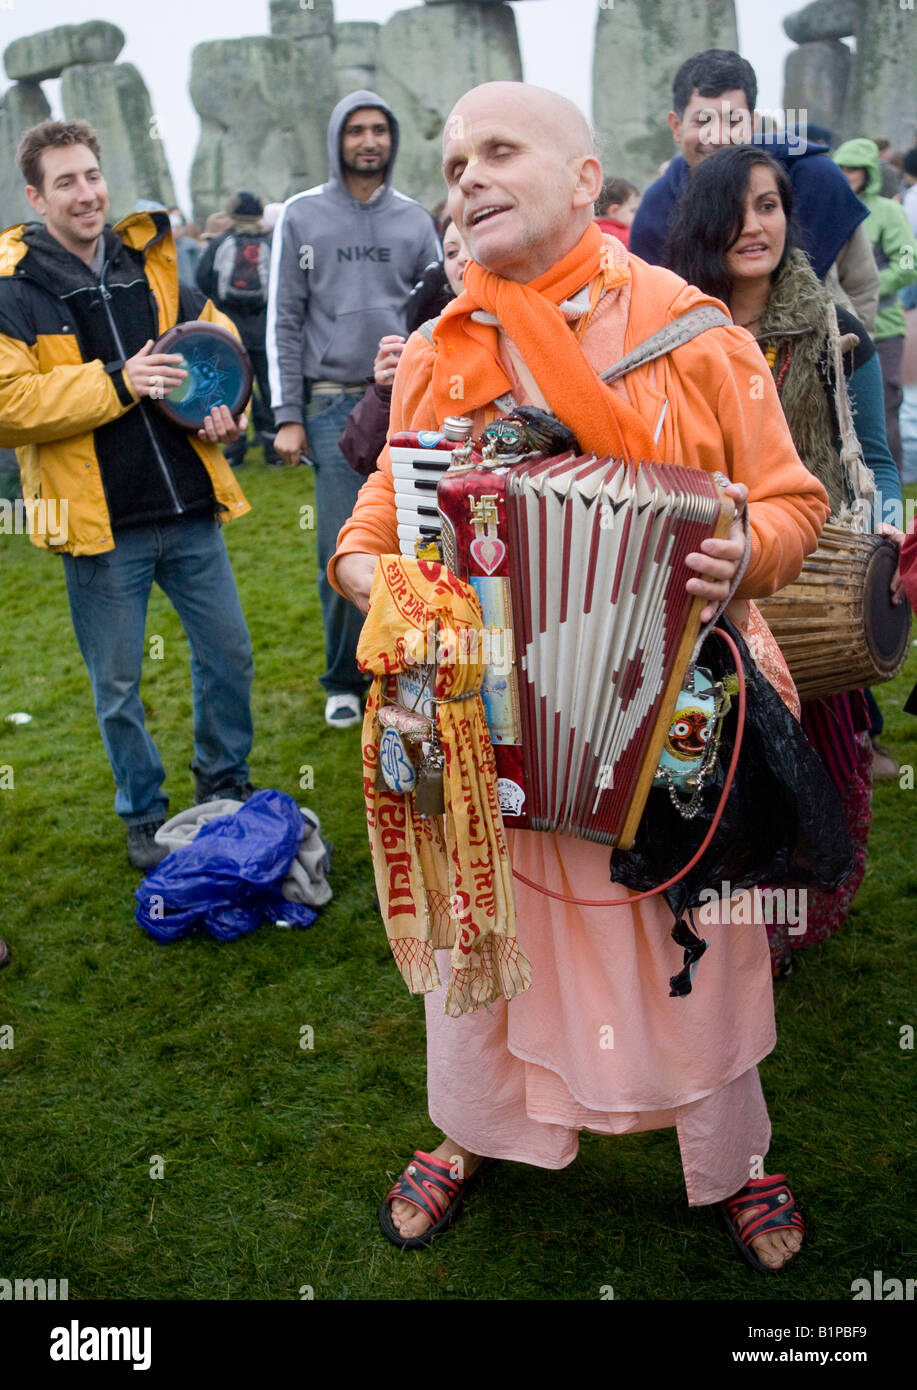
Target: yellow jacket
[{"x": 51, "y": 401}]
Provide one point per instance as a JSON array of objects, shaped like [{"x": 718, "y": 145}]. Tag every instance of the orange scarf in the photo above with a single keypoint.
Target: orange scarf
[
  {"x": 442, "y": 882},
  {"x": 468, "y": 374}
]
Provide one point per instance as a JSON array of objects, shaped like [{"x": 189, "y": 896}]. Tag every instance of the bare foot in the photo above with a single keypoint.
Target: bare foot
[
  {"x": 775, "y": 1248},
  {"x": 409, "y": 1221}
]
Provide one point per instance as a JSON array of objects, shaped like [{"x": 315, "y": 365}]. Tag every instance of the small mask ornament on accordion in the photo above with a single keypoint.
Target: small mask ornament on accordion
[
  {"x": 688, "y": 735},
  {"x": 507, "y": 437},
  {"x": 542, "y": 432},
  {"x": 689, "y": 732}
]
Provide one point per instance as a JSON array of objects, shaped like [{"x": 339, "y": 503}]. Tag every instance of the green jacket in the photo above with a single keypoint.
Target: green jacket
[{"x": 890, "y": 233}]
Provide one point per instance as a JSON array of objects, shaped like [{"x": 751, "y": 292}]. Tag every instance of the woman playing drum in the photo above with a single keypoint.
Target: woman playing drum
[{"x": 732, "y": 235}]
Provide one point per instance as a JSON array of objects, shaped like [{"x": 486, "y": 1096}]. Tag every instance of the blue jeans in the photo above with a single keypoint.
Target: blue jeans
[
  {"x": 336, "y": 488},
  {"x": 108, "y": 602}
]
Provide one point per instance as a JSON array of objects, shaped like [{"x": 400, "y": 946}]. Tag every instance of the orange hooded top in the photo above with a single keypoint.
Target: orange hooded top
[{"x": 714, "y": 396}]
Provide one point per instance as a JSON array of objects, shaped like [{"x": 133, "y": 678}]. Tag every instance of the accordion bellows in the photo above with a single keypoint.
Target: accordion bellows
[{"x": 603, "y": 626}]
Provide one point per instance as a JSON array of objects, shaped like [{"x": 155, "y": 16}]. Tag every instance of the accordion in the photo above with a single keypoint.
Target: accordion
[
  {"x": 578, "y": 562},
  {"x": 419, "y": 460}
]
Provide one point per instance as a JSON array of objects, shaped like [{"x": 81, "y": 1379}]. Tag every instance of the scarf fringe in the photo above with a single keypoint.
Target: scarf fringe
[
  {"x": 414, "y": 958},
  {"x": 501, "y": 971}
]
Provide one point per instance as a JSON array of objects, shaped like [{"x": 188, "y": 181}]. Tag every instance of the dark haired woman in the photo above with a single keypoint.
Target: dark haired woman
[{"x": 733, "y": 237}]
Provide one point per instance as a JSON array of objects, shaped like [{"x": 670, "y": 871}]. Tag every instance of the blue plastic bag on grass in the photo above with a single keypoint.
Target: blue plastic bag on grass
[{"x": 228, "y": 880}]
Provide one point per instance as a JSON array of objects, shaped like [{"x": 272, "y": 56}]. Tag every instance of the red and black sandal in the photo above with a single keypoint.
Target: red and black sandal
[
  {"x": 429, "y": 1185},
  {"x": 779, "y": 1214}
]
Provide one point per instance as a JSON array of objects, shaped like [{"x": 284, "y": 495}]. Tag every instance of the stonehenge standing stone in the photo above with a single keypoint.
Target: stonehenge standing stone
[
  {"x": 429, "y": 56},
  {"x": 823, "y": 19},
  {"x": 639, "y": 46},
  {"x": 815, "y": 81},
  {"x": 312, "y": 28},
  {"x": 880, "y": 97},
  {"x": 264, "y": 112},
  {"x": 290, "y": 20},
  {"x": 38, "y": 57},
  {"x": 21, "y": 106},
  {"x": 114, "y": 99},
  {"x": 355, "y": 46},
  {"x": 883, "y": 94}
]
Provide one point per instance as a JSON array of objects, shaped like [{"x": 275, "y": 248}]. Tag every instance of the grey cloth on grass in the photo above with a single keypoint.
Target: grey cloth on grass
[{"x": 306, "y": 881}]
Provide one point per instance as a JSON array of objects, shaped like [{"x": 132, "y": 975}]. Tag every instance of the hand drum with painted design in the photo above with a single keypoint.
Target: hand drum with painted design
[{"x": 219, "y": 373}]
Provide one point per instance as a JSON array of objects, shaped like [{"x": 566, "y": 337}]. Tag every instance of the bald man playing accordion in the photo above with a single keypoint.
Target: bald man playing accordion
[{"x": 549, "y": 302}]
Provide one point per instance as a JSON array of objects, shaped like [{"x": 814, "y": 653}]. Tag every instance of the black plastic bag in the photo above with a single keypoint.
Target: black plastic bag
[{"x": 782, "y": 826}]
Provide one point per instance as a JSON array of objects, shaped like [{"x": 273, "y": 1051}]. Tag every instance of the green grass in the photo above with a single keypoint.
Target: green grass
[{"x": 275, "y": 1157}]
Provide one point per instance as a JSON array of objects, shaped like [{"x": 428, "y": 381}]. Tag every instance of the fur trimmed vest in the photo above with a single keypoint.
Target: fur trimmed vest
[{"x": 800, "y": 338}]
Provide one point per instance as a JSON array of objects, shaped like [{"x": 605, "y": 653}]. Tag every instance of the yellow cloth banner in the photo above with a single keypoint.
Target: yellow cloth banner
[{"x": 443, "y": 882}]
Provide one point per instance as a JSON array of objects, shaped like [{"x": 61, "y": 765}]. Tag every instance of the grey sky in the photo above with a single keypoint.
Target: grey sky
[{"x": 555, "y": 36}]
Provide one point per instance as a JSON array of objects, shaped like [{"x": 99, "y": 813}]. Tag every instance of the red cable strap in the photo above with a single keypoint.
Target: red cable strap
[{"x": 717, "y": 817}]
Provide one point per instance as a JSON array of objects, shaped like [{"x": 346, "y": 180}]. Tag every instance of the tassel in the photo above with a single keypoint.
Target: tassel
[{"x": 685, "y": 936}]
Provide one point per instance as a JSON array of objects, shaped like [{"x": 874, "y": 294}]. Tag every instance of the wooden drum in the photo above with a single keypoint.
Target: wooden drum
[{"x": 837, "y": 626}]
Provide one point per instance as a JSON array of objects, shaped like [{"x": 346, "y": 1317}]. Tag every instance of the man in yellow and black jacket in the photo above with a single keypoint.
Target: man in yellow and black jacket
[{"x": 126, "y": 497}]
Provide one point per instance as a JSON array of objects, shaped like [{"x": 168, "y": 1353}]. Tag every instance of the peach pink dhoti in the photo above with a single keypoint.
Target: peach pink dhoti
[{"x": 596, "y": 1043}]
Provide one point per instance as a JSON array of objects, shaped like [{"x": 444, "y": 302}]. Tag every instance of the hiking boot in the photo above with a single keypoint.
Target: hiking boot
[
  {"x": 343, "y": 711},
  {"x": 142, "y": 849},
  {"x": 226, "y": 791}
]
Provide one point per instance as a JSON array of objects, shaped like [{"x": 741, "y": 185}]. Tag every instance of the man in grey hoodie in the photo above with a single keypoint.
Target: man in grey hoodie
[{"x": 344, "y": 259}]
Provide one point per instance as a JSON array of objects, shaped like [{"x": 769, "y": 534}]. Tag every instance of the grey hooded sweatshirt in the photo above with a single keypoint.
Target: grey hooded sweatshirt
[{"x": 341, "y": 274}]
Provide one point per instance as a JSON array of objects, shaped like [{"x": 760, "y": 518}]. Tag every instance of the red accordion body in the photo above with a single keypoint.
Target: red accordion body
[{"x": 579, "y": 564}]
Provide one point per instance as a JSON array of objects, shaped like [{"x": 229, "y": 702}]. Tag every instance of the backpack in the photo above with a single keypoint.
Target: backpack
[{"x": 242, "y": 265}]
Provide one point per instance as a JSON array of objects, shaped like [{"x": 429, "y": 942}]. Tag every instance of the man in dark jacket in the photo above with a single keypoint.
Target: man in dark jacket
[
  {"x": 234, "y": 273},
  {"x": 345, "y": 256},
  {"x": 126, "y": 497},
  {"x": 713, "y": 100}
]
